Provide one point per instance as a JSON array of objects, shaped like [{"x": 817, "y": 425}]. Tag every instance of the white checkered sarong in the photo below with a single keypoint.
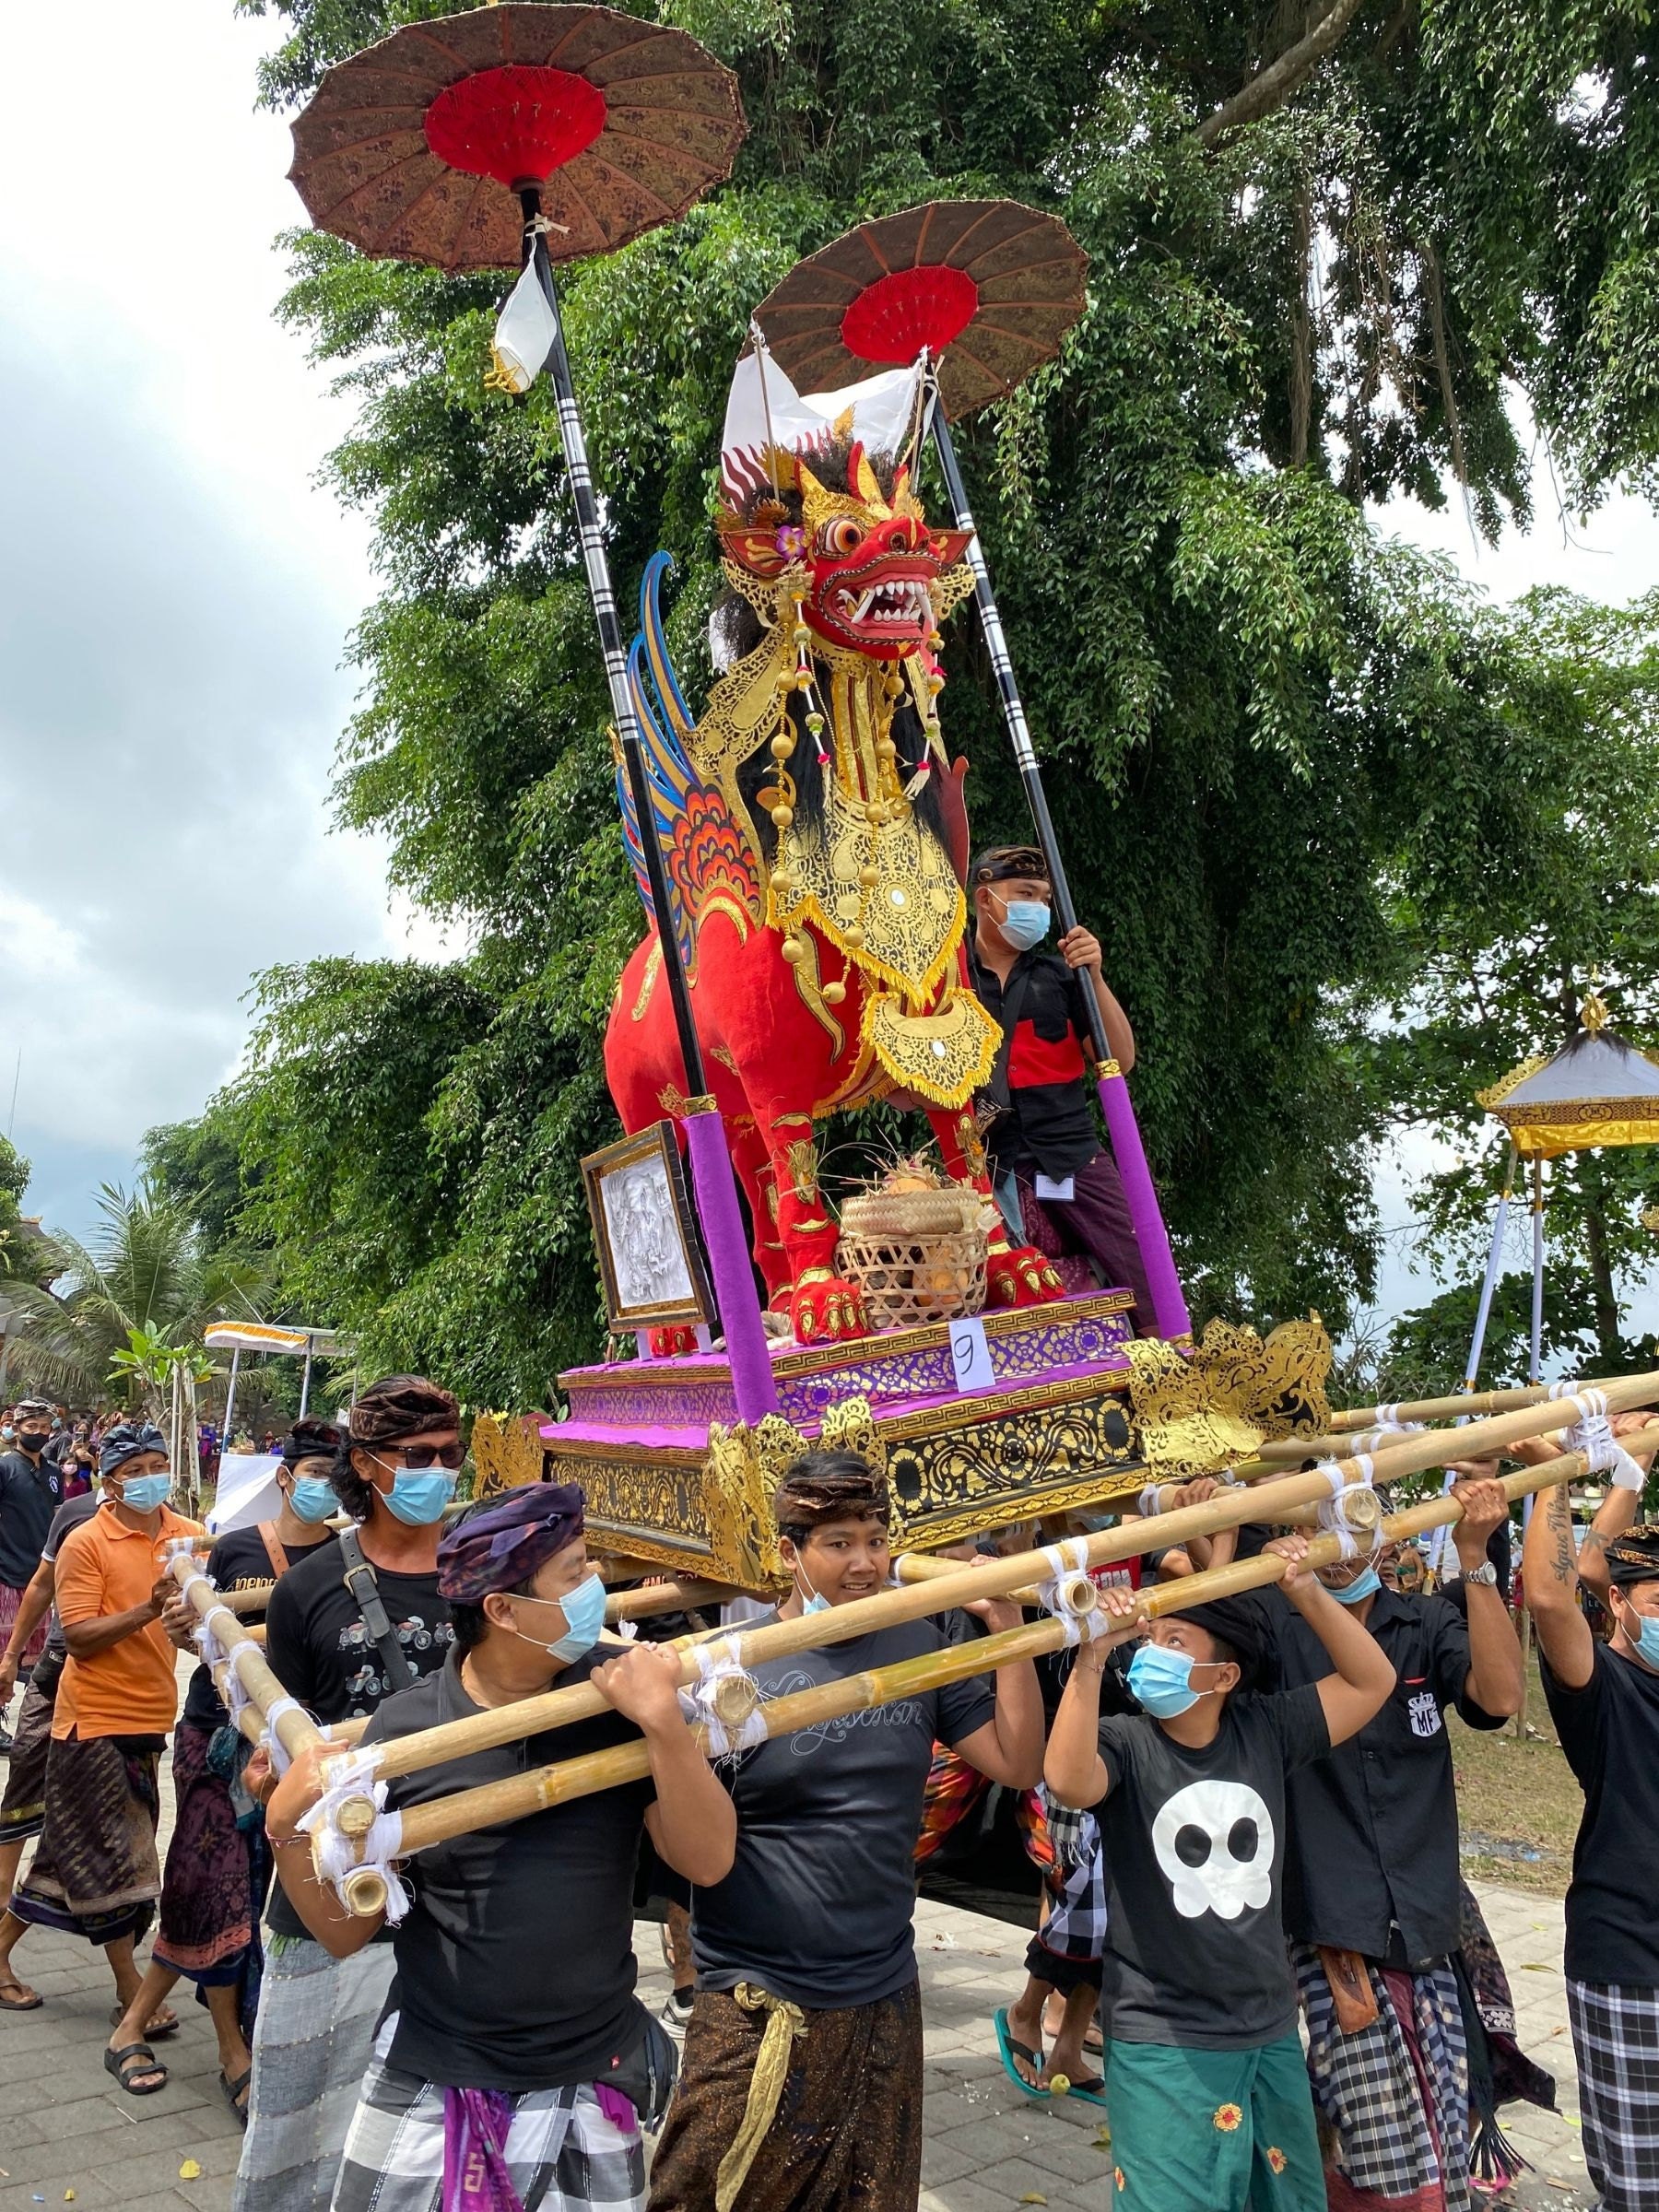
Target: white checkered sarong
[
  {"x": 562, "y": 2152},
  {"x": 1616, "y": 2043}
]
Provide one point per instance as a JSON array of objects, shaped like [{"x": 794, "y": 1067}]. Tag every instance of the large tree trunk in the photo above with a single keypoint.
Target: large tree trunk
[{"x": 1272, "y": 87}]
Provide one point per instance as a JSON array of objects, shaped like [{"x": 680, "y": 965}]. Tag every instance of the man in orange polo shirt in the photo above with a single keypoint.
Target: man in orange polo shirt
[{"x": 96, "y": 1872}]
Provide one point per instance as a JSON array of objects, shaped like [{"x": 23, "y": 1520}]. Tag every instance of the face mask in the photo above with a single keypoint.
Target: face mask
[
  {"x": 420, "y": 1495},
  {"x": 1646, "y": 1637},
  {"x": 312, "y": 1499},
  {"x": 143, "y": 1493},
  {"x": 810, "y": 1600},
  {"x": 1025, "y": 922},
  {"x": 32, "y": 1440},
  {"x": 1363, "y": 1586},
  {"x": 1161, "y": 1680},
  {"x": 585, "y": 1616}
]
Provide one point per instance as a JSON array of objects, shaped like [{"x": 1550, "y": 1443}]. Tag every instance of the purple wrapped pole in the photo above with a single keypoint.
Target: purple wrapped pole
[
  {"x": 717, "y": 1209},
  {"x": 1169, "y": 1317}
]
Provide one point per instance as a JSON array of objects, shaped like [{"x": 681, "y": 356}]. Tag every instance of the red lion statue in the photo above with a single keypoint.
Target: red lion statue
[{"x": 815, "y": 841}]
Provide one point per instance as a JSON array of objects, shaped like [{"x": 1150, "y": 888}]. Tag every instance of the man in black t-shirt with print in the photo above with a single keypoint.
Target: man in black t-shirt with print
[
  {"x": 1045, "y": 1143},
  {"x": 1604, "y": 1699},
  {"x": 1205, "y": 2078},
  {"x": 318, "y": 2014}
]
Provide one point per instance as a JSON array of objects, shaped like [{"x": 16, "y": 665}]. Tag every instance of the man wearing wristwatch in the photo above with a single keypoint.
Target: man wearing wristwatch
[{"x": 1372, "y": 1900}]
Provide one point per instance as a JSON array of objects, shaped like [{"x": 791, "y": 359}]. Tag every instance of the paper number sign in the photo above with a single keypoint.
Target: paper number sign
[{"x": 970, "y": 1356}]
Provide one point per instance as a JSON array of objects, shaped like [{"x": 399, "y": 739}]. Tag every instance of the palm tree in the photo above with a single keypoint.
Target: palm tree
[{"x": 143, "y": 1276}]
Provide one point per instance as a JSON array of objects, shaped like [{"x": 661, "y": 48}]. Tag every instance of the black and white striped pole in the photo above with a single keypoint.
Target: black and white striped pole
[
  {"x": 711, "y": 1173},
  {"x": 1169, "y": 1316}
]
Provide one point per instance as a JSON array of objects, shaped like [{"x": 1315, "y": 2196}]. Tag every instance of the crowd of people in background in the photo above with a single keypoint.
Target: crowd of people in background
[{"x": 1254, "y": 1948}]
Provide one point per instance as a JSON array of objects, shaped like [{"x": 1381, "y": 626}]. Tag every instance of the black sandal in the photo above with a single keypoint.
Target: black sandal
[
  {"x": 235, "y": 2089},
  {"x": 32, "y": 1999},
  {"x": 155, "y": 2029},
  {"x": 134, "y": 2059}
]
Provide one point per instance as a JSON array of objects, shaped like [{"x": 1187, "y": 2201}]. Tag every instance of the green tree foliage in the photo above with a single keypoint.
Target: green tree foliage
[
  {"x": 1498, "y": 978},
  {"x": 1270, "y": 734}
]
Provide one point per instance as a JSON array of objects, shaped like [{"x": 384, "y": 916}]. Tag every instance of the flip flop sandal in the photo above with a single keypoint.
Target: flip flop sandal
[
  {"x": 236, "y": 2094},
  {"x": 155, "y": 2029},
  {"x": 1090, "y": 2088},
  {"x": 1009, "y": 2050},
  {"x": 134, "y": 2059},
  {"x": 31, "y": 2003}
]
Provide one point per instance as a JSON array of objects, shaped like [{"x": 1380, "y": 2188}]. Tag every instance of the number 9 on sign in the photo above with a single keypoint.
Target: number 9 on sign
[{"x": 970, "y": 1356}]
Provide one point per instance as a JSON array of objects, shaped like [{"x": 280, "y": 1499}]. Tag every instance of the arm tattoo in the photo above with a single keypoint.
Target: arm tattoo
[
  {"x": 1593, "y": 1541},
  {"x": 1560, "y": 1524}
]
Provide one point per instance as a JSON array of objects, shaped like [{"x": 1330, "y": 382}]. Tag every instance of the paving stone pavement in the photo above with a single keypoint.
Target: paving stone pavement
[{"x": 66, "y": 2127}]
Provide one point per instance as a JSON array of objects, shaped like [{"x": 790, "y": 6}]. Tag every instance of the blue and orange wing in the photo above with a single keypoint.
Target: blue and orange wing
[{"x": 706, "y": 860}]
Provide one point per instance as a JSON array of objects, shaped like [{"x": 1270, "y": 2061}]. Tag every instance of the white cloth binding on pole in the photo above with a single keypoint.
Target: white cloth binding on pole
[
  {"x": 1066, "y": 1559},
  {"x": 271, "y": 1742},
  {"x": 335, "y": 1855},
  {"x": 717, "y": 1664},
  {"x": 523, "y": 334},
  {"x": 1604, "y": 1455}
]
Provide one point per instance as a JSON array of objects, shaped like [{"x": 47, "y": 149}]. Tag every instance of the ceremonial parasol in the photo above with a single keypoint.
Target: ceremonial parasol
[
  {"x": 1598, "y": 1089},
  {"x": 987, "y": 290},
  {"x": 533, "y": 132},
  {"x": 420, "y": 147}
]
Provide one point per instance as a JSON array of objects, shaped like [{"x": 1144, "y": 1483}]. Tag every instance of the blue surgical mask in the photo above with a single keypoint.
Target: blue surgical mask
[
  {"x": 1363, "y": 1586},
  {"x": 1025, "y": 922},
  {"x": 1646, "y": 1637},
  {"x": 420, "y": 1495},
  {"x": 143, "y": 1493},
  {"x": 313, "y": 1498},
  {"x": 1161, "y": 1680},
  {"x": 585, "y": 1616}
]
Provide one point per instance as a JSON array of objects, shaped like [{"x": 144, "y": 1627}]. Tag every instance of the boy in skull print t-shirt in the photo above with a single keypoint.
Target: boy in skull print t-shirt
[{"x": 1205, "y": 2078}]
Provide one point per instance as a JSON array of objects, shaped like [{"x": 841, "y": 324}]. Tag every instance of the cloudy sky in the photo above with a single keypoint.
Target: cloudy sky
[{"x": 175, "y": 594}]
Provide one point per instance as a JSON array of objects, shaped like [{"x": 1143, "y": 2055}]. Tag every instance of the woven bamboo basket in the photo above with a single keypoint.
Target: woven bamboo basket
[{"x": 917, "y": 1255}]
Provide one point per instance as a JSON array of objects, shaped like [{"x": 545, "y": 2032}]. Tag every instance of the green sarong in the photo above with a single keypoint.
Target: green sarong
[{"x": 1213, "y": 2131}]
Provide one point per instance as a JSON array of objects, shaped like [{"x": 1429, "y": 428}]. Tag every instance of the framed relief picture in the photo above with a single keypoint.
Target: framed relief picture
[{"x": 644, "y": 1231}]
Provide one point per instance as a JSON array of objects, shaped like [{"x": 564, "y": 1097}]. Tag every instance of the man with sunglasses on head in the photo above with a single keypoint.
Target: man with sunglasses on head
[{"x": 346, "y": 1629}]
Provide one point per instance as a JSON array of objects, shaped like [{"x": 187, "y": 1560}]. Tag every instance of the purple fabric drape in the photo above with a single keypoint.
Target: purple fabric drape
[
  {"x": 1170, "y": 1316},
  {"x": 476, "y": 2175},
  {"x": 712, "y": 1178}
]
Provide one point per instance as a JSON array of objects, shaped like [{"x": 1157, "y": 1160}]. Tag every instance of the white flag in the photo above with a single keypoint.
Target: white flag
[
  {"x": 523, "y": 335},
  {"x": 882, "y": 409}
]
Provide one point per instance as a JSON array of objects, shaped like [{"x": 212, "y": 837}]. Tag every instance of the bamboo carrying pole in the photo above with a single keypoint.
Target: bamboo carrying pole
[
  {"x": 515, "y": 1796},
  {"x": 1479, "y": 1402},
  {"x": 999, "y": 1578},
  {"x": 665, "y": 1597}
]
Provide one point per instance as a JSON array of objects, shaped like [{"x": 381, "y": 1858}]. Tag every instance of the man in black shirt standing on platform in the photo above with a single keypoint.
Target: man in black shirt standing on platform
[
  {"x": 514, "y": 2044},
  {"x": 1046, "y": 1140},
  {"x": 339, "y": 1650},
  {"x": 1372, "y": 1886},
  {"x": 1604, "y": 1699}
]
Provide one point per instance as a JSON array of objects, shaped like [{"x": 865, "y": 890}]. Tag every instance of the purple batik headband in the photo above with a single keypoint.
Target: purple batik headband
[{"x": 501, "y": 1544}]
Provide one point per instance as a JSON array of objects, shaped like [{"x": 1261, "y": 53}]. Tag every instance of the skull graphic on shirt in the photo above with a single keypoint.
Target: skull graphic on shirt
[{"x": 1215, "y": 1844}]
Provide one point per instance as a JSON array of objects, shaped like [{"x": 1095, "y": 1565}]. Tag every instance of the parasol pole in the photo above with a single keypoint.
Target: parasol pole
[
  {"x": 729, "y": 1262},
  {"x": 518, "y": 1796},
  {"x": 1169, "y": 1316},
  {"x": 1494, "y": 1257},
  {"x": 230, "y": 1395},
  {"x": 999, "y": 1578},
  {"x": 1535, "y": 1366}
]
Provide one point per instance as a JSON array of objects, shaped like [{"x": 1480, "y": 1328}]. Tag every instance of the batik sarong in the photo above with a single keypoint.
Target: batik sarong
[
  {"x": 847, "y": 2132},
  {"x": 1394, "y": 2094},
  {"x": 1513, "y": 2075},
  {"x": 1616, "y": 2043},
  {"x": 413, "y": 2147},
  {"x": 311, "y": 2046},
  {"x": 213, "y": 1888},
  {"x": 95, "y": 1871},
  {"x": 10, "y": 1600},
  {"x": 954, "y": 1790},
  {"x": 1212, "y": 2131},
  {"x": 23, "y": 1808}
]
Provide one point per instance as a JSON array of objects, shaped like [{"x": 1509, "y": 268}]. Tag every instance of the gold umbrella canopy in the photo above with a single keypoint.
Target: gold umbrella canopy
[
  {"x": 989, "y": 287},
  {"x": 1597, "y": 1090},
  {"x": 417, "y": 148}
]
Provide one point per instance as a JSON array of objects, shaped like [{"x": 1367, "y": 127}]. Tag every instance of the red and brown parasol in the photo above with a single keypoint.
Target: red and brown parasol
[
  {"x": 990, "y": 288},
  {"x": 419, "y": 147}
]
